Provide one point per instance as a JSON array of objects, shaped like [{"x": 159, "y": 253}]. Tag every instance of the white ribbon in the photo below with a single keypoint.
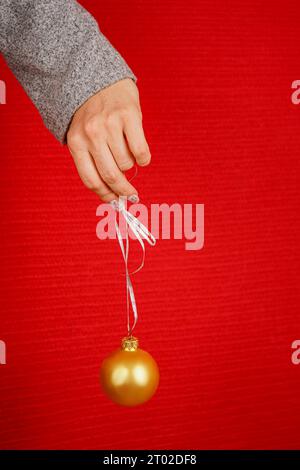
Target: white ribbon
[{"x": 141, "y": 233}]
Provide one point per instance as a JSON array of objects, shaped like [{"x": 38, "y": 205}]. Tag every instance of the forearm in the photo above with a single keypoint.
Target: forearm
[{"x": 57, "y": 52}]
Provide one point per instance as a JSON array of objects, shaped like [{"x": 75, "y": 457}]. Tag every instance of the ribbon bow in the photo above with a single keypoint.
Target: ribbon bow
[{"x": 141, "y": 233}]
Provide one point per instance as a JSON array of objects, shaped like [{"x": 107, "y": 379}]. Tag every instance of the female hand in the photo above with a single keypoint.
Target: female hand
[{"x": 106, "y": 138}]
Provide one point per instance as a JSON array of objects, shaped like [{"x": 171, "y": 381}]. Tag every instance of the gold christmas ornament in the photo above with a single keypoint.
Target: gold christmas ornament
[{"x": 129, "y": 376}]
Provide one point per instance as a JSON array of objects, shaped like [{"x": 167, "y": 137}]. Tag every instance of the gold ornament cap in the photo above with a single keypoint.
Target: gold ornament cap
[{"x": 130, "y": 343}]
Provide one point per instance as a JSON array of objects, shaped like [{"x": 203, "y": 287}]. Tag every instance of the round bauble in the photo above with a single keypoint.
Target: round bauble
[{"x": 129, "y": 376}]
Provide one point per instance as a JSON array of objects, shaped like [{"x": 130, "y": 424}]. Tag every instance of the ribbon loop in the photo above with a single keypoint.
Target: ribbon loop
[{"x": 141, "y": 233}]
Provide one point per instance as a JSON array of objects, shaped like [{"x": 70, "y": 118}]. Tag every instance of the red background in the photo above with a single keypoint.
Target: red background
[{"x": 215, "y": 81}]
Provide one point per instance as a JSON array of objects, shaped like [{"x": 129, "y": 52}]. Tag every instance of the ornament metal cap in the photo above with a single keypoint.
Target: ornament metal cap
[{"x": 130, "y": 343}]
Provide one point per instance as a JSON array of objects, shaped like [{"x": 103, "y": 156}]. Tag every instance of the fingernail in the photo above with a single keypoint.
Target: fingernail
[
  {"x": 133, "y": 198},
  {"x": 115, "y": 204}
]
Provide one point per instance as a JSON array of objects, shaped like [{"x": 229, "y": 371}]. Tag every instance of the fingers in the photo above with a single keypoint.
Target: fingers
[
  {"x": 111, "y": 173},
  {"x": 135, "y": 136},
  {"x": 106, "y": 137},
  {"x": 119, "y": 148},
  {"x": 90, "y": 177}
]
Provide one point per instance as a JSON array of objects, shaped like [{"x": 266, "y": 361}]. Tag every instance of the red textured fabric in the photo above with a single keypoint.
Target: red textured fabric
[{"x": 215, "y": 82}]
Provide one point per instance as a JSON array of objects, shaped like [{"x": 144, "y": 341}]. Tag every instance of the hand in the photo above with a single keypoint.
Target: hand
[{"x": 106, "y": 138}]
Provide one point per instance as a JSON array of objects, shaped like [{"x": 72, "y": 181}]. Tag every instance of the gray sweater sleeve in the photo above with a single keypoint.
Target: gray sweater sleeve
[{"x": 58, "y": 54}]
